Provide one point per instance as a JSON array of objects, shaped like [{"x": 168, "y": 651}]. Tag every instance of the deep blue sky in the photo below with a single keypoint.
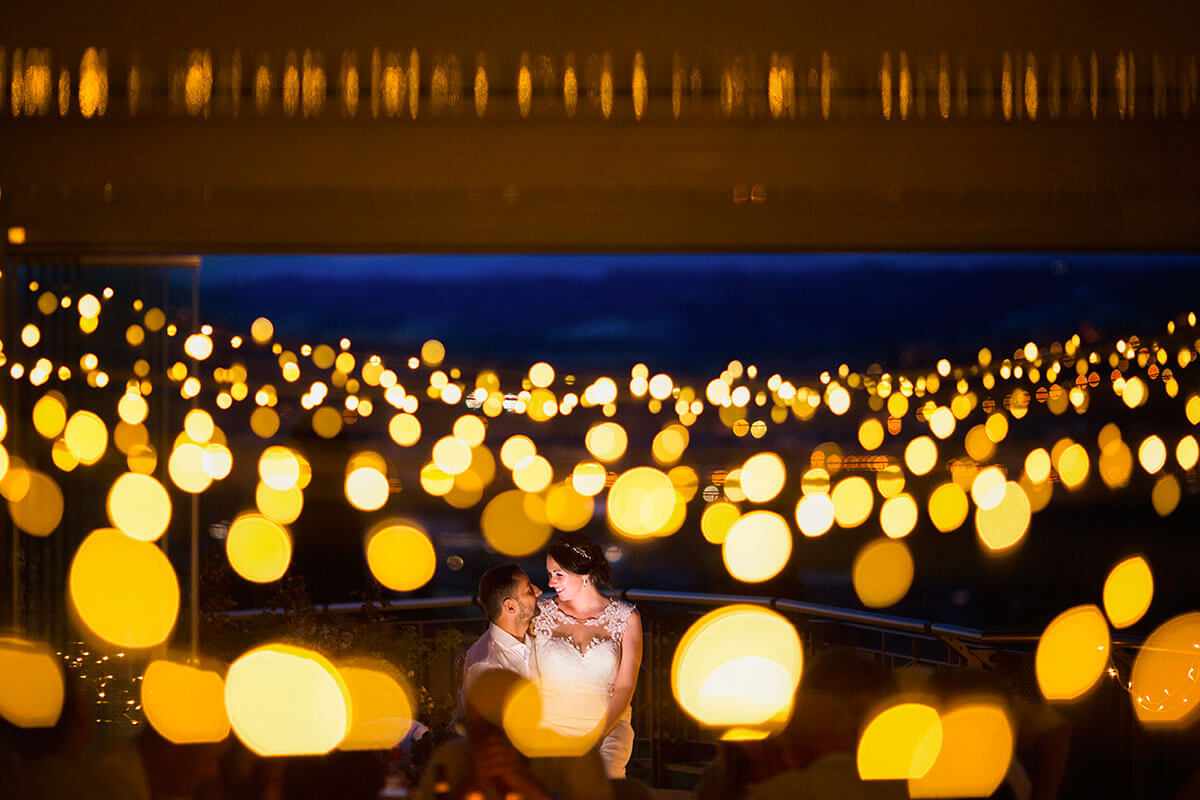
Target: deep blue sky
[{"x": 694, "y": 312}]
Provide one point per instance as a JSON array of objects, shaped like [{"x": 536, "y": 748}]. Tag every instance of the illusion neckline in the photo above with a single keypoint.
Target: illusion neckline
[{"x": 587, "y": 620}]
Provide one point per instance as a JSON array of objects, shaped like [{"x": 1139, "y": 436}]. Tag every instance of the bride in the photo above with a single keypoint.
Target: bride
[{"x": 589, "y": 649}]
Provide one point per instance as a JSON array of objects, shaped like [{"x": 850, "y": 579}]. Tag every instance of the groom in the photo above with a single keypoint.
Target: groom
[{"x": 509, "y": 598}]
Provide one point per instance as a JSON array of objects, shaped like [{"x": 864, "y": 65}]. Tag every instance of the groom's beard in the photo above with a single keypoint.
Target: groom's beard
[{"x": 525, "y": 619}]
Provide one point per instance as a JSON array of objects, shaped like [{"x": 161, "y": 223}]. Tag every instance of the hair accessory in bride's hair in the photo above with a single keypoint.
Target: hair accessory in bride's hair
[{"x": 579, "y": 551}]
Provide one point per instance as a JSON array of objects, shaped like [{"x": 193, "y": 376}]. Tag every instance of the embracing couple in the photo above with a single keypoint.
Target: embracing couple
[{"x": 581, "y": 648}]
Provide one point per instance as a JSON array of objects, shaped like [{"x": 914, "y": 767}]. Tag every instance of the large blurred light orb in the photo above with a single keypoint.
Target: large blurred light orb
[
  {"x": 452, "y": 455},
  {"x": 898, "y": 516},
  {"x": 567, "y": 509},
  {"x": 1072, "y": 653},
  {"x": 279, "y": 468},
  {"x": 31, "y": 683},
  {"x": 757, "y": 547},
  {"x": 50, "y": 414},
  {"x": 852, "y": 501},
  {"x": 124, "y": 590},
  {"x": 186, "y": 468},
  {"x": 606, "y": 441},
  {"x": 184, "y": 703},
  {"x": 763, "y": 476},
  {"x": 1128, "y": 590},
  {"x": 716, "y": 521},
  {"x": 259, "y": 549},
  {"x": 588, "y": 478},
  {"x": 738, "y": 666},
  {"x": 86, "y": 436},
  {"x": 977, "y": 748},
  {"x": 1165, "y": 683},
  {"x": 381, "y": 711},
  {"x": 509, "y": 528},
  {"x": 1004, "y": 524},
  {"x": 948, "y": 507},
  {"x": 38, "y": 507},
  {"x": 901, "y": 742},
  {"x": 285, "y": 700},
  {"x": 367, "y": 489},
  {"x": 815, "y": 514},
  {"x": 400, "y": 556},
  {"x": 139, "y": 506},
  {"x": 882, "y": 573},
  {"x": 282, "y": 507},
  {"x": 641, "y": 502}
]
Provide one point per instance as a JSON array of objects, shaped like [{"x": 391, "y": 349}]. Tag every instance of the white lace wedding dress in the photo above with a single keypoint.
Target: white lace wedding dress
[{"x": 577, "y": 663}]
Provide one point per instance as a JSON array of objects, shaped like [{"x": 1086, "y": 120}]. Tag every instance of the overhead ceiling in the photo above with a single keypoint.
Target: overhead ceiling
[{"x": 931, "y": 125}]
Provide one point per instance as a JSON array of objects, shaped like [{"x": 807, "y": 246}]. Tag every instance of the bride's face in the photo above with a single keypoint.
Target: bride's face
[{"x": 566, "y": 584}]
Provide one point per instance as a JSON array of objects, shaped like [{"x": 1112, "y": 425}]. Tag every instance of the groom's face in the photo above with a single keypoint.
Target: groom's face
[{"x": 526, "y": 597}]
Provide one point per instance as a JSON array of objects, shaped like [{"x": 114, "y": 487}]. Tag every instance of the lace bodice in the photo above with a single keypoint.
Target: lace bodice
[{"x": 580, "y": 655}]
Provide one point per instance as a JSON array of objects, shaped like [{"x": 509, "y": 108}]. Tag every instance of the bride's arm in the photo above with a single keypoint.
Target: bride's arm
[{"x": 627, "y": 673}]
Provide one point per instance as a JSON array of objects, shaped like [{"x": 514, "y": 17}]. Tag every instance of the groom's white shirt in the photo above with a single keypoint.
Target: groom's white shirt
[{"x": 498, "y": 649}]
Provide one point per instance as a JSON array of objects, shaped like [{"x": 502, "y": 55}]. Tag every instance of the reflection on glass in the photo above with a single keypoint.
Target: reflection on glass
[
  {"x": 676, "y": 85},
  {"x": 943, "y": 86},
  {"x": 606, "y": 86},
  {"x": 291, "y": 83},
  {"x": 639, "y": 88},
  {"x": 414, "y": 82},
  {"x": 312, "y": 83},
  {"x": 906, "y": 91},
  {"x": 524, "y": 87},
  {"x": 262, "y": 84},
  {"x": 1006, "y": 87},
  {"x": 1031, "y": 86},
  {"x": 348, "y": 81}
]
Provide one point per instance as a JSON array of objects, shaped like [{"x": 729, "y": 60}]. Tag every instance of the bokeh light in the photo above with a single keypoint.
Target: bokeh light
[
  {"x": 948, "y": 507},
  {"x": 1128, "y": 590},
  {"x": 1165, "y": 682},
  {"x": 977, "y": 749},
  {"x": 852, "y": 501},
  {"x": 641, "y": 502},
  {"x": 31, "y": 683},
  {"x": 815, "y": 514},
  {"x": 901, "y": 742},
  {"x": 400, "y": 556},
  {"x": 882, "y": 573},
  {"x": 185, "y": 703},
  {"x": 606, "y": 441},
  {"x": 259, "y": 549},
  {"x": 738, "y": 666},
  {"x": 763, "y": 476},
  {"x": 588, "y": 478},
  {"x": 1004, "y": 524},
  {"x": 757, "y": 546},
  {"x": 898, "y": 516},
  {"x": 139, "y": 506},
  {"x": 381, "y": 709},
  {"x": 717, "y": 519},
  {"x": 38, "y": 505},
  {"x": 262, "y": 692},
  {"x": 124, "y": 590},
  {"x": 1072, "y": 653},
  {"x": 509, "y": 527}
]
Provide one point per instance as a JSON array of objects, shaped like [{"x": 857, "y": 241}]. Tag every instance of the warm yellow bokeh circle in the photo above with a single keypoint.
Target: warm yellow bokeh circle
[
  {"x": 139, "y": 506},
  {"x": 124, "y": 590},
  {"x": 1072, "y": 653},
  {"x": 738, "y": 666},
  {"x": 184, "y": 703},
  {"x": 757, "y": 546},
  {"x": 1128, "y": 591},
  {"x": 381, "y": 708},
  {"x": 901, "y": 742},
  {"x": 401, "y": 556},
  {"x": 259, "y": 549},
  {"x": 286, "y": 700},
  {"x": 31, "y": 683}
]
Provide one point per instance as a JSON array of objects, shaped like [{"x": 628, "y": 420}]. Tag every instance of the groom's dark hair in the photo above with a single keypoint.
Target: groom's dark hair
[{"x": 497, "y": 585}]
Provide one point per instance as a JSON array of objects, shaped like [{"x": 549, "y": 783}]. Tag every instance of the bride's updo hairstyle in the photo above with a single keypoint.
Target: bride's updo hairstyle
[{"x": 578, "y": 554}]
